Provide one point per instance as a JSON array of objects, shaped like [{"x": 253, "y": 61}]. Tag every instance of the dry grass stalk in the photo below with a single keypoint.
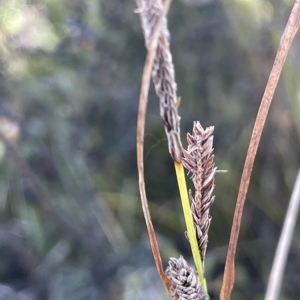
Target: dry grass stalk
[
  {"x": 140, "y": 144},
  {"x": 284, "y": 244},
  {"x": 198, "y": 159},
  {"x": 283, "y": 49},
  {"x": 184, "y": 280},
  {"x": 163, "y": 74}
]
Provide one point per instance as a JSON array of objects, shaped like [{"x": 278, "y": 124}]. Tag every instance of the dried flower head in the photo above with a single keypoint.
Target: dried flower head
[
  {"x": 198, "y": 159},
  {"x": 184, "y": 280},
  {"x": 163, "y": 74}
]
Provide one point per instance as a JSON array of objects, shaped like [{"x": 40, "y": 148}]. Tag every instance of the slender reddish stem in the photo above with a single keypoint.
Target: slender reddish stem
[
  {"x": 140, "y": 144},
  {"x": 284, "y": 46}
]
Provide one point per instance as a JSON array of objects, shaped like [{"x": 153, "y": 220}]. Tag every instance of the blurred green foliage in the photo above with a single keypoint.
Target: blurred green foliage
[{"x": 71, "y": 224}]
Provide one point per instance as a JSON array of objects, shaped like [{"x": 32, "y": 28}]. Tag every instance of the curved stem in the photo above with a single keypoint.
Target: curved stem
[{"x": 140, "y": 145}]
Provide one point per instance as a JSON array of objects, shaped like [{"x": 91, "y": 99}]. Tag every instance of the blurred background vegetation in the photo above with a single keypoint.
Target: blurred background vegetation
[{"x": 71, "y": 225}]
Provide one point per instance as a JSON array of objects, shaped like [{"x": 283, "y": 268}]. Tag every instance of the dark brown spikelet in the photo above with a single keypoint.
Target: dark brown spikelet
[
  {"x": 198, "y": 159},
  {"x": 184, "y": 280},
  {"x": 163, "y": 74}
]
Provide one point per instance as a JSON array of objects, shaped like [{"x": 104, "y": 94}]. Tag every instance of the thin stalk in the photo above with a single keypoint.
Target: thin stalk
[
  {"x": 140, "y": 145},
  {"x": 284, "y": 244},
  {"x": 284, "y": 46},
  {"x": 189, "y": 222}
]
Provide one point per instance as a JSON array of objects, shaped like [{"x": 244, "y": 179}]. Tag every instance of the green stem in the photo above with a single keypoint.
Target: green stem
[{"x": 189, "y": 222}]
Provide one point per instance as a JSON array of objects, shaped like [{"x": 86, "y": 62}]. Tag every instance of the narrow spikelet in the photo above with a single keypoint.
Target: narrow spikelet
[
  {"x": 198, "y": 159},
  {"x": 163, "y": 74},
  {"x": 184, "y": 280}
]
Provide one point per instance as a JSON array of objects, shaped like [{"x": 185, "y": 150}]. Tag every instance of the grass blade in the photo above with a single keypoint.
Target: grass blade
[{"x": 284, "y": 244}]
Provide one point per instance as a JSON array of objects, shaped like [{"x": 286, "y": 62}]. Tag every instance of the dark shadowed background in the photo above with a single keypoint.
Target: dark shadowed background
[{"x": 71, "y": 225}]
